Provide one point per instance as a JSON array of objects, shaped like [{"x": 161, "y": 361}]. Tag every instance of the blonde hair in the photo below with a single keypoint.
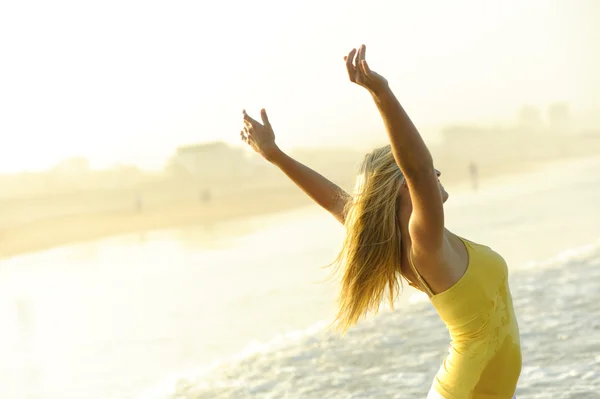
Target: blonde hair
[{"x": 370, "y": 258}]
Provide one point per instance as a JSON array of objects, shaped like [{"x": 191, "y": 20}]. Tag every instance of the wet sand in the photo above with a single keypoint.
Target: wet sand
[{"x": 45, "y": 234}]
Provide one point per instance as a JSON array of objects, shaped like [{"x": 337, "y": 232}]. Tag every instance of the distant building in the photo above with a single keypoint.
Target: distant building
[
  {"x": 485, "y": 144},
  {"x": 530, "y": 118},
  {"x": 72, "y": 167},
  {"x": 72, "y": 172},
  {"x": 559, "y": 118},
  {"x": 209, "y": 161}
]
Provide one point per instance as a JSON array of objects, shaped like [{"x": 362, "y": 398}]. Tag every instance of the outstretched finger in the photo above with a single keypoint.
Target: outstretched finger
[
  {"x": 249, "y": 123},
  {"x": 350, "y": 64},
  {"x": 363, "y": 54},
  {"x": 360, "y": 57},
  {"x": 265, "y": 117},
  {"x": 242, "y": 135},
  {"x": 365, "y": 68},
  {"x": 248, "y": 119}
]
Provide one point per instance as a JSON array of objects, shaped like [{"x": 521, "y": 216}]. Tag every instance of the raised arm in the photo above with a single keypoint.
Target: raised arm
[
  {"x": 325, "y": 193},
  {"x": 426, "y": 224}
]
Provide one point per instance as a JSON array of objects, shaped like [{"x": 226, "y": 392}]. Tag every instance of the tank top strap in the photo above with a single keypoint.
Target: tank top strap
[{"x": 419, "y": 277}]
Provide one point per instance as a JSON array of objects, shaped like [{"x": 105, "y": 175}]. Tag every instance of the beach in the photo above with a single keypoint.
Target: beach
[
  {"x": 240, "y": 308},
  {"x": 46, "y": 233},
  {"x": 47, "y": 221}
]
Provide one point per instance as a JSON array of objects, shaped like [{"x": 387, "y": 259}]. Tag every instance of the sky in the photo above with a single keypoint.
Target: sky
[{"x": 130, "y": 81}]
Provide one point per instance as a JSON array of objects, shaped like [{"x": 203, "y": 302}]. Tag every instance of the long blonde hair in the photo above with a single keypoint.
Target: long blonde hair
[{"x": 370, "y": 258}]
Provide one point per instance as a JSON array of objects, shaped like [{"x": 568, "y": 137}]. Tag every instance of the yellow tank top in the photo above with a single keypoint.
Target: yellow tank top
[{"x": 484, "y": 360}]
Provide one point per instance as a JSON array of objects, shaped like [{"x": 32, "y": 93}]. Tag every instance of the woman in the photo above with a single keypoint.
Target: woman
[{"x": 395, "y": 227}]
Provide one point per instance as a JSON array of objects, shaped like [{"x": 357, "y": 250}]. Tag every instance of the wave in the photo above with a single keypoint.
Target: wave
[
  {"x": 576, "y": 254},
  {"x": 396, "y": 354},
  {"x": 253, "y": 348}
]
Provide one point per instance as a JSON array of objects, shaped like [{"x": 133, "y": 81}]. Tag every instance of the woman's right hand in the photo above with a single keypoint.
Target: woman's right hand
[
  {"x": 360, "y": 73},
  {"x": 260, "y": 137}
]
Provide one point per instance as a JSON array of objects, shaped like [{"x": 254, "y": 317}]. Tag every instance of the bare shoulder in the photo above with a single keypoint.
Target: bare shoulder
[{"x": 446, "y": 269}]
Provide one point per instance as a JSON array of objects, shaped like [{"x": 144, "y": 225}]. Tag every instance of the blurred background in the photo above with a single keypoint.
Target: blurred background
[{"x": 145, "y": 252}]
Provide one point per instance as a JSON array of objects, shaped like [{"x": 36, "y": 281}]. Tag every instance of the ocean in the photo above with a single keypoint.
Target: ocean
[{"x": 241, "y": 309}]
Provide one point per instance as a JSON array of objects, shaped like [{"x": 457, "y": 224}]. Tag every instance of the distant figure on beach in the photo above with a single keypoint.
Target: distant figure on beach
[
  {"x": 474, "y": 175},
  {"x": 138, "y": 202},
  {"x": 205, "y": 196},
  {"x": 395, "y": 230}
]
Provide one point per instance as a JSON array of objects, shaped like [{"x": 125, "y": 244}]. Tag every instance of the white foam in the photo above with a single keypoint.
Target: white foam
[
  {"x": 165, "y": 388},
  {"x": 194, "y": 379},
  {"x": 418, "y": 297},
  {"x": 566, "y": 256}
]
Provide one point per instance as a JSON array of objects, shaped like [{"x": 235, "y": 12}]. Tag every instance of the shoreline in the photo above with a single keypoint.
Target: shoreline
[
  {"x": 56, "y": 232},
  {"x": 63, "y": 231}
]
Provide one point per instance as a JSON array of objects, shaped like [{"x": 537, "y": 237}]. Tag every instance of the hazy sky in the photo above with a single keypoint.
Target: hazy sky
[{"x": 128, "y": 81}]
